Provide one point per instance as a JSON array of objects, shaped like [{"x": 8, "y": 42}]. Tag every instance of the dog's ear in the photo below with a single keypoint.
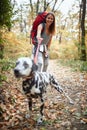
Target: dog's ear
[{"x": 34, "y": 67}]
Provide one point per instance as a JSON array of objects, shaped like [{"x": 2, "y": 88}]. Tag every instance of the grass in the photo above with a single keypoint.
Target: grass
[
  {"x": 15, "y": 47},
  {"x": 5, "y": 65},
  {"x": 76, "y": 65},
  {"x": 63, "y": 51},
  {"x": 67, "y": 55}
]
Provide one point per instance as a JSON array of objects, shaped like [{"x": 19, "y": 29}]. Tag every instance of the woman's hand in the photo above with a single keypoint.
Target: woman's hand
[{"x": 39, "y": 39}]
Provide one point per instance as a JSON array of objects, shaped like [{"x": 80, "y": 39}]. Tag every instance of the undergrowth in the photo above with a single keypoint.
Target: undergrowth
[
  {"x": 76, "y": 65},
  {"x": 5, "y": 65}
]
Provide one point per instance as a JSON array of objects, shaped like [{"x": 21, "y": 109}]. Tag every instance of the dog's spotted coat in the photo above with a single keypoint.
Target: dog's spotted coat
[{"x": 35, "y": 83}]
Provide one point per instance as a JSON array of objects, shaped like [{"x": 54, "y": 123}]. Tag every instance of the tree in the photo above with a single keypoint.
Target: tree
[
  {"x": 83, "y": 14},
  {"x": 44, "y": 5},
  {"x": 5, "y": 20},
  {"x": 5, "y": 13}
]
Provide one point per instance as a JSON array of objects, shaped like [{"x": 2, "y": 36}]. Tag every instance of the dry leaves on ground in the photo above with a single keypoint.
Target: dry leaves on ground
[{"x": 59, "y": 114}]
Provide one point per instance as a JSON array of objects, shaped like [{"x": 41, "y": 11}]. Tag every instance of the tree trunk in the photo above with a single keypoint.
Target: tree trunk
[
  {"x": 79, "y": 36},
  {"x": 21, "y": 19},
  {"x": 45, "y": 5},
  {"x": 1, "y": 46},
  {"x": 83, "y": 46},
  {"x": 1, "y": 51},
  {"x": 37, "y": 7}
]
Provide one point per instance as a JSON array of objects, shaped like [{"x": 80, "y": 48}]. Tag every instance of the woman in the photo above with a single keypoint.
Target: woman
[{"x": 45, "y": 37}]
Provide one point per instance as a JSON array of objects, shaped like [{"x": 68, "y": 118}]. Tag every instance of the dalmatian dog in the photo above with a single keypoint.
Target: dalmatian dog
[{"x": 35, "y": 83}]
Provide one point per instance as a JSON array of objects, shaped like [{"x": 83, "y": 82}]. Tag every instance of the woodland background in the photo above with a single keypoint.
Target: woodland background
[
  {"x": 71, "y": 30},
  {"x": 69, "y": 45}
]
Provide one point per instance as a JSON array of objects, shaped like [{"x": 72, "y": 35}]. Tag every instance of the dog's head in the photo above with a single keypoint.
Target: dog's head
[{"x": 24, "y": 67}]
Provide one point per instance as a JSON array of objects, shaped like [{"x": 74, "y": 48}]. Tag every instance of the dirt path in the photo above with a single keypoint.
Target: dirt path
[
  {"x": 75, "y": 84},
  {"x": 59, "y": 114}
]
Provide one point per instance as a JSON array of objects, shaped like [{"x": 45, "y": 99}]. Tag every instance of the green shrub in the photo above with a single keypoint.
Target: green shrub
[
  {"x": 76, "y": 65},
  {"x": 53, "y": 55},
  {"x": 84, "y": 66},
  {"x": 5, "y": 65}
]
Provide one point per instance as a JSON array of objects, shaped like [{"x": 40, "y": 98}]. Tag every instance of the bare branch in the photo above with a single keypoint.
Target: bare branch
[
  {"x": 31, "y": 5},
  {"x": 59, "y": 6},
  {"x": 54, "y": 5},
  {"x": 37, "y": 7}
]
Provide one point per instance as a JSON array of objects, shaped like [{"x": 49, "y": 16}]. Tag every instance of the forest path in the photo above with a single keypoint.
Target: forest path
[{"x": 59, "y": 114}]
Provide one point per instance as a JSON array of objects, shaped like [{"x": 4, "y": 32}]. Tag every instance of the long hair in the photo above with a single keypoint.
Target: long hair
[{"x": 51, "y": 29}]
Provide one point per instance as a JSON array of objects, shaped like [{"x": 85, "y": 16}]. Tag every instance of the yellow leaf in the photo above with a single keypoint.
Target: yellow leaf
[
  {"x": 57, "y": 125},
  {"x": 84, "y": 119},
  {"x": 72, "y": 110},
  {"x": 53, "y": 116}
]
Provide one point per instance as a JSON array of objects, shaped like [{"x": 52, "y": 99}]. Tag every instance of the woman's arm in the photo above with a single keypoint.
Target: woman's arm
[{"x": 39, "y": 30}]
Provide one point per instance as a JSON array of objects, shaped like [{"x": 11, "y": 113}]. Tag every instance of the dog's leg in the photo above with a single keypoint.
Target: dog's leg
[
  {"x": 30, "y": 104},
  {"x": 29, "y": 107},
  {"x": 40, "y": 120}
]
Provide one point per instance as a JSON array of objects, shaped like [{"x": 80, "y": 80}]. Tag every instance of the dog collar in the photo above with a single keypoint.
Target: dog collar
[{"x": 29, "y": 77}]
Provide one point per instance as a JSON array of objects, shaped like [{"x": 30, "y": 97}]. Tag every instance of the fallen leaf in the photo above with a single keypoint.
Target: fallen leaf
[
  {"x": 73, "y": 110},
  {"x": 84, "y": 119},
  {"x": 59, "y": 113},
  {"x": 57, "y": 125},
  {"x": 53, "y": 116}
]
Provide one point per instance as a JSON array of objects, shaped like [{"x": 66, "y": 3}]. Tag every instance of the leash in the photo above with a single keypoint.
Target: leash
[
  {"x": 35, "y": 57},
  {"x": 70, "y": 100}
]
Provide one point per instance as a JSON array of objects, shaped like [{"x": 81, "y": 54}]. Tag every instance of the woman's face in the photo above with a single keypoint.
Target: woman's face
[{"x": 49, "y": 19}]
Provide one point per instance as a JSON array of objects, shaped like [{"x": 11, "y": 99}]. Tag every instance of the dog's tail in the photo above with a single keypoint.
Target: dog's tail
[{"x": 56, "y": 85}]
